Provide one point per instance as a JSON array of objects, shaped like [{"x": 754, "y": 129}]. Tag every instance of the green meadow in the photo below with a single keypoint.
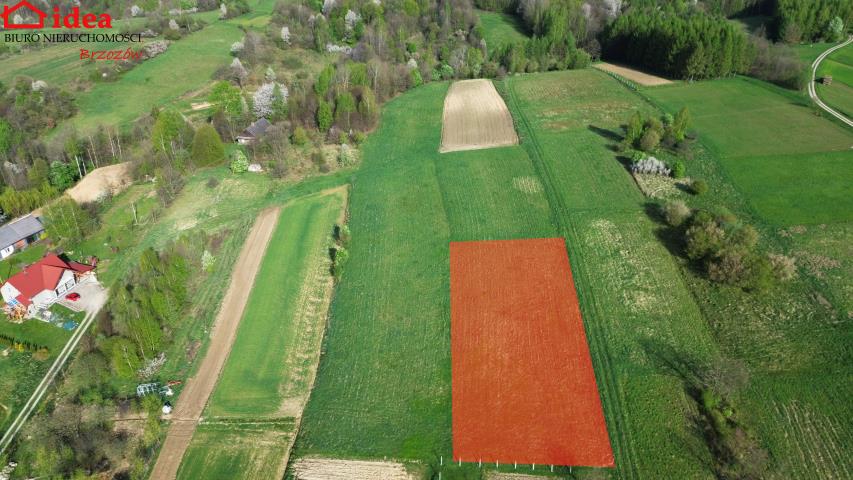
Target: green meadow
[
  {"x": 789, "y": 162},
  {"x": 385, "y": 373},
  {"x": 501, "y": 28}
]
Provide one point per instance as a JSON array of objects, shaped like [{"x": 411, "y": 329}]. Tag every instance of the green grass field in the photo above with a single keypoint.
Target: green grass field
[
  {"x": 838, "y": 95},
  {"x": 254, "y": 380},
  {"x": 501, "y": 28},
  {"x": 766, "y": 138},
  {"x": 159, "y": 80},
  {"x": 271, "y": 363},
  {"x": 222, "y": 451},
  {"x": 385, "y": 372}
]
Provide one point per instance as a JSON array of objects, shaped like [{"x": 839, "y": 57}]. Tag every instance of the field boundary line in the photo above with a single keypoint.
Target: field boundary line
[{"x": 813, "y": 91}]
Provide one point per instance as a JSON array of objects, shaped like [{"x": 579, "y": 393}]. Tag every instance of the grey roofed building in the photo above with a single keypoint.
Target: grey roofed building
[
  {"x": 19, "y": 233},
  {"x": 253, "y": 131}
]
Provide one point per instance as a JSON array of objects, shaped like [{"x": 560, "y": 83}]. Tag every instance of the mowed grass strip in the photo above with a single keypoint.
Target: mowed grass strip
[{"x": 253, "y": 377}]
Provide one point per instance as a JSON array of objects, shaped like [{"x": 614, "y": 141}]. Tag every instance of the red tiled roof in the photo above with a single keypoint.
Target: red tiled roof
[{"x": 43, "y": 275}]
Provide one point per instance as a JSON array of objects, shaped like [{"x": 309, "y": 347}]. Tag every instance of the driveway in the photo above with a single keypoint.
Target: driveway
[{"x": 92, "y": 296}]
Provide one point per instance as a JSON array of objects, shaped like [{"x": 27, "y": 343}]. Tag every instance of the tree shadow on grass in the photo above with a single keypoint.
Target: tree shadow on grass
[{"x": 613, "y": 136}]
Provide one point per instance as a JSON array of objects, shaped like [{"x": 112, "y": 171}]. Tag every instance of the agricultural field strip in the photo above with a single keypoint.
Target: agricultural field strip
[
  {"x": 199, "y": 387},
  {"x": 297, "y": 264},
  {"x": 616, "y": 404},
  {"x": 520, "y": 357}
]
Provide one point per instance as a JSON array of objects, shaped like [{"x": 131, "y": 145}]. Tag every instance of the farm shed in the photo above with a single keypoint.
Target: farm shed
[
  {"x": 253, "y": 132},
  {"x": 19, "y": 233},
  {"x": 41, "y": 284}
]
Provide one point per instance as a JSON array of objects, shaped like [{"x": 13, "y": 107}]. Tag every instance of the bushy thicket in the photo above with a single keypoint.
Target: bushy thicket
[
  {"x": 691, "y": 45},
  {"x": 727, "y": 250},
  {"x": 134, "y": 328}
]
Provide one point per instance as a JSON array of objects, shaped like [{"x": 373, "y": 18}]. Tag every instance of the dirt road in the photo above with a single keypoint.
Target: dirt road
[
  {"x": 198, "y": 388},
  {"x": 813, "y": 93}
]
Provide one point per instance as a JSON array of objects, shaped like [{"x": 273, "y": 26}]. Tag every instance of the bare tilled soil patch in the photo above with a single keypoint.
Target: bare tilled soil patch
[
  {"x": 100, "y": 182},
  {"x": 475, "y": 117},
  {"x": 329, "y": 469},
  {"x": 644, "y": 79}
]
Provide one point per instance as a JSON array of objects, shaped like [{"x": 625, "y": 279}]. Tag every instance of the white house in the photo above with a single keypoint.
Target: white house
[{"x": 41, "y": 284}]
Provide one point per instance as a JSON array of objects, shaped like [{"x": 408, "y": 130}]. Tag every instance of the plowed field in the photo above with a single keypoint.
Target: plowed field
[{"x": 523, "y": 385}]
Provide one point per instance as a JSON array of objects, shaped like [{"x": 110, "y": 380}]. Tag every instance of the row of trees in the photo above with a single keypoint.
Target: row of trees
[{"x": 693, "y": 46}]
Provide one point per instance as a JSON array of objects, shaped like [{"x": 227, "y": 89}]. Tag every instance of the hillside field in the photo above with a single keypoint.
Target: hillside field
[
  {"x": 838, "y": 95},
  {"x": 253, "y": 412},
  {"x": 385, "y": 374},
  {"x": 766, "y": 137}
]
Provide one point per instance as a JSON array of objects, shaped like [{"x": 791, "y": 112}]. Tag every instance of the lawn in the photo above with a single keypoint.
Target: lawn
[
  {"x": 767, "y": 138},
  {"x": 383, "y": 387},
  {"x": 501, "y": 28},
  {"x": 20, "y": 372},
  {"x": 277, "y": 327},
  {"x": 16, "y": 262}
]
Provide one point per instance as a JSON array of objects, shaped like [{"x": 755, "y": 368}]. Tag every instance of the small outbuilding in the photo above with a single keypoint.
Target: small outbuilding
[
  {"x": 19, "y": 233},
  {"x": 253, "y": 132}
]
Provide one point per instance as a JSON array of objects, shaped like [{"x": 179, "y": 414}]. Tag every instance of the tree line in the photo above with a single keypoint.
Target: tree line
[{"x": 691, "y": 46}]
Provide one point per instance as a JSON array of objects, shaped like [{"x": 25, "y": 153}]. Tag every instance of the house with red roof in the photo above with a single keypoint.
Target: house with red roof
[{"x": 39, "y": 285}]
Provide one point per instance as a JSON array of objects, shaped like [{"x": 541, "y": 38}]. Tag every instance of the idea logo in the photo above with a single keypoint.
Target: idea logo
[{"x": 13, "y": 18}]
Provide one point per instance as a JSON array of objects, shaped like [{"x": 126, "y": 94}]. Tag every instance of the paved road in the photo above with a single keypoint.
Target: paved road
[
  {"x": 198, "y": 388},
  {"x": 95, "y": 306},
  {"x": 813, "y": 93}
]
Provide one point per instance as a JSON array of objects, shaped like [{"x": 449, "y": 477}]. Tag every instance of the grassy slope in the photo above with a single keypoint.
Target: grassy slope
[
  {"x": 253, "y": 378},
  {"x": 793, "y": 337},
  {"x": 501, "y": 28},
  {"x": 159, "y": 80},
  {"x": 764, "y": 138},
  {"x": 385, "y": 373},
  {"x": 839, "y": 95}
]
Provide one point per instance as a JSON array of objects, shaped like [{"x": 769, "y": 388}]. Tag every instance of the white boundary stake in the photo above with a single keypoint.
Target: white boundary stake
[{"x": 813, "y": 92}]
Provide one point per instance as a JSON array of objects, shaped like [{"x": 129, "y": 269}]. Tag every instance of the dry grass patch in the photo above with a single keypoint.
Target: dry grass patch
[
  {"x": 642, "y": 78},
  {"x": 475, "y": 117},
  {"x": 329, "y": 469}
]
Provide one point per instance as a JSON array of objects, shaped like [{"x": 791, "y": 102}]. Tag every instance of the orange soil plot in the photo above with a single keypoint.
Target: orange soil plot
[{"x": 523, "y": 386}]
